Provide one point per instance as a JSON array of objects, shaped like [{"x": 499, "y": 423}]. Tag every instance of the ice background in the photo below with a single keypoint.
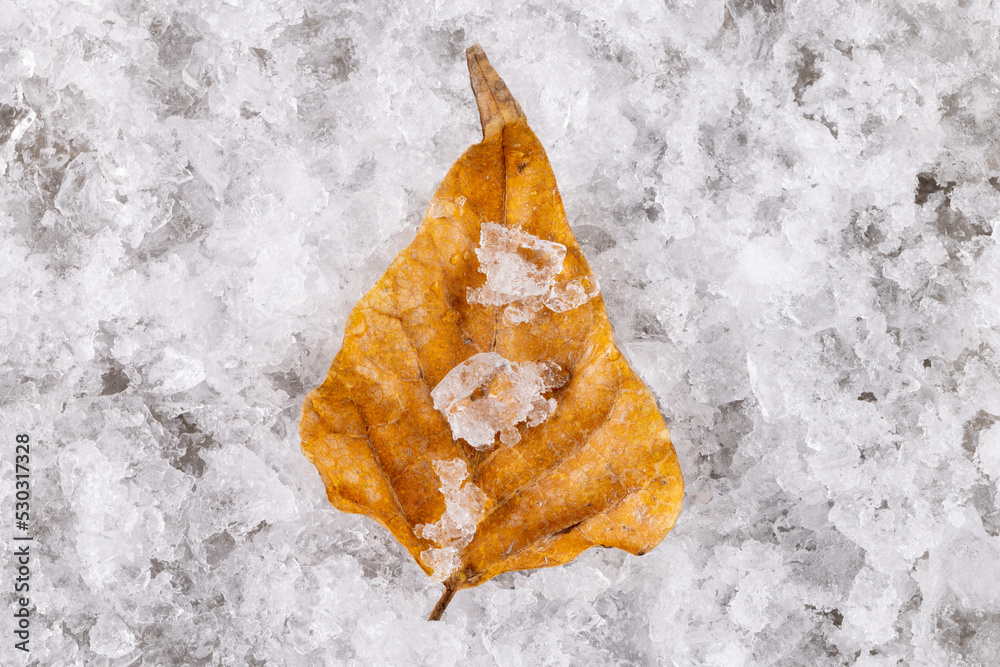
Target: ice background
[{"x": 791, "y": 207}]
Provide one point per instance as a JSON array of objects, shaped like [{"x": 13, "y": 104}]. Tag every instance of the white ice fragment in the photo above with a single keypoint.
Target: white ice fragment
[
  {"x": 110, "y": 637},
  {"x": 17, "y": 122},
  {"x": 569, "y": 295},
  {"x": 174, "y": 372},
  {"x": 517, "y": 265},
  {"x": 521, "y": 272},
  {"x": 465, "y": 505},
  {"x": 487, "y": 394},
  {"x": 237, "y": 492},
  {"x": 988, "y": 452}
]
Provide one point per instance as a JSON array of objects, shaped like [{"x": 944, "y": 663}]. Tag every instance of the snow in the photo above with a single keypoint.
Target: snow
[{"x": 792, "y": 210}]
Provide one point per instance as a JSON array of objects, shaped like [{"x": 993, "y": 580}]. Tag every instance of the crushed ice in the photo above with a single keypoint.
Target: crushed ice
[
  {"x": 768, "y": 201},
  {"x": 487, "y": 394},
  {"x": 465, "y": 505},
  {"x": 521, "y": 272}
]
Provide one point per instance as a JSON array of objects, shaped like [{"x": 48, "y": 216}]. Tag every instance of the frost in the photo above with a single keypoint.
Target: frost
[
  {"x": 465, "y": 505},
  {"x": 487, "y": 394},
  {"x": 521, "y": 272}
]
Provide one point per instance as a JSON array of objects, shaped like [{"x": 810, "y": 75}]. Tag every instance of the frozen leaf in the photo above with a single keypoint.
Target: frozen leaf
[{"x": 490, "y": 322}]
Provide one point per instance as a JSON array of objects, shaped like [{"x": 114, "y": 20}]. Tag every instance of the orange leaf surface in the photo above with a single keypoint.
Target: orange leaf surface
[{"x": 598, "y": 470}]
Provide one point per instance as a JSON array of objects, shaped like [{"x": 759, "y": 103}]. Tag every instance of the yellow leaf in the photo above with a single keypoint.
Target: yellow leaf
[{"x": 598, "y": 470}]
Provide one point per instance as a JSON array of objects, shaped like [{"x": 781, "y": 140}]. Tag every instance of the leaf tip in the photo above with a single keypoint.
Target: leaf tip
[{"x": 497, "y": 106}]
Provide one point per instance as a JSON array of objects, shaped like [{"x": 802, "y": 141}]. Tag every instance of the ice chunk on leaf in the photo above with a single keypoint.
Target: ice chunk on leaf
[
  {"x": 487, "y": 394},
  {"x": 569, "y": 295},
  {"x": 521, "y": 272},
  {"x": 465, "y": 505},
  {"x": 518, "y": 265}
]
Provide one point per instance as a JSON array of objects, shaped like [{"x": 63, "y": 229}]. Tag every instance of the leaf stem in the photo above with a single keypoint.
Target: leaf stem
[{"x": 442, "y": 604}]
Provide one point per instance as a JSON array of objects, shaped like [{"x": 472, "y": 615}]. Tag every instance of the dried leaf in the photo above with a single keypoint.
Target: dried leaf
[{"x": 597, "y": 470}]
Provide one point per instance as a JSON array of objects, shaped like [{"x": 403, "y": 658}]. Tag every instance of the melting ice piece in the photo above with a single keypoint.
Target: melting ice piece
[
  {"x": 464, "y": 506},
  {"x": 521, "y": 272},
  {"x": 568, "y": 295},
  {"x": 487, "y": 394}
]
